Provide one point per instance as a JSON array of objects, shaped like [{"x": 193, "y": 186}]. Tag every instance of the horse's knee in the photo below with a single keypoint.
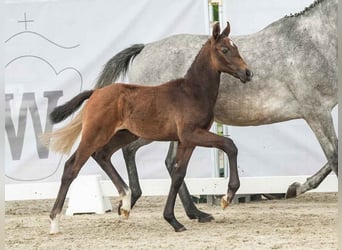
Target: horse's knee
[{"x": 230, "y": 148}]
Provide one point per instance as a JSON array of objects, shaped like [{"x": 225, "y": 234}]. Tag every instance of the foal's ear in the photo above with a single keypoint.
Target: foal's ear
[
  {"x": 216, "y": 31},
  {"x": 226, "y": 31}
]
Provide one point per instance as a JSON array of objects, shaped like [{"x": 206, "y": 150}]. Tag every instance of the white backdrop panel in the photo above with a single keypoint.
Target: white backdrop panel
[{"x": 55, "y": 49}]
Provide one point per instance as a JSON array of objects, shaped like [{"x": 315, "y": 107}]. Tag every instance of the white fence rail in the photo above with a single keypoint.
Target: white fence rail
[{"x": 197, "y": 186}]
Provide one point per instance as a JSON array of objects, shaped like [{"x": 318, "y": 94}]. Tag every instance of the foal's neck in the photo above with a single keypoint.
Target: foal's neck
[{"x": 202, "y": 73}]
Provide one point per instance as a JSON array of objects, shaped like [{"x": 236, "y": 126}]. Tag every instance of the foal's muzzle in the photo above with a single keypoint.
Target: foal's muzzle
[{"x": 245, "y": 75}]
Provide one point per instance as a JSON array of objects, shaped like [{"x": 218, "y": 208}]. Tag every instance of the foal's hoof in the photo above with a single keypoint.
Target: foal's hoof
[
  {"x": 224, "y": 202},
  {"x": 54, "y": 233},
  {"x": 124, "y": 212},
  {"x": 292, "y": 190},
  {"x": 54, "y": 226},
  {"x": 181, "y": 229}
]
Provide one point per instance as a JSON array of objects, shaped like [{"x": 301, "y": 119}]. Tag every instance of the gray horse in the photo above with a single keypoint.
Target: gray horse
[{"x": 295, "y": 77}]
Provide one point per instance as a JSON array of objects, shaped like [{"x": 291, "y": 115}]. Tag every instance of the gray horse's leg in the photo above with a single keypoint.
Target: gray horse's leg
[
  {"x": 322, "y": 125},
  {"x": 191, "y": 210},
  {"x": 129, "y": 155},
  {"x": 311, "y": 182}
]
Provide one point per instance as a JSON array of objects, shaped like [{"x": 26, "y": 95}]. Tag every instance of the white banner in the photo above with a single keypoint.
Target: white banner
[{"x": 55, "y": 49}]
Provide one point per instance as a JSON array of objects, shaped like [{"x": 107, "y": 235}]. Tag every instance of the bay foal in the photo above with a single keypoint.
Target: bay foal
[{"x": 180, "y": 110}]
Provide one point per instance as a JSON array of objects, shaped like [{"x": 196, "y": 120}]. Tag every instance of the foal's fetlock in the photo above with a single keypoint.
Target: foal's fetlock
[
  {"x": 178, "y": 227},
  {"x": 123, "y": 211},
  {"x": 125, "y": 204},
  {"x": 54, "y": 225}
]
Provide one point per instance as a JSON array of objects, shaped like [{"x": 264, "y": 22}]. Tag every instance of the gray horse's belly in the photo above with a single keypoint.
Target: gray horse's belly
[{"x": 255, "y": 103}]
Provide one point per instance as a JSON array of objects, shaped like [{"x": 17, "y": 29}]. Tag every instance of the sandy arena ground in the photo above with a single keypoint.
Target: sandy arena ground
[{"x": 307, "y": 222}]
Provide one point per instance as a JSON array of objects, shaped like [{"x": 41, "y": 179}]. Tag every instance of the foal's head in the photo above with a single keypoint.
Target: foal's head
[{"x": 225, "y": 55}]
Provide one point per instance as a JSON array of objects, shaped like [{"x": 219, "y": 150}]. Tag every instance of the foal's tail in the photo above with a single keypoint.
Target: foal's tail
[
  {"x": 118, "y": 65},
  {"x": 60, "y": 113},
  {"x": 62, "y": 140}
]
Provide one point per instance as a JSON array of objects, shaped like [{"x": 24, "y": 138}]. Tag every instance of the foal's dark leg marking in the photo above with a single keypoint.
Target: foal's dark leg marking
[
  {"x": 177, "y": 178},
  {"x": 191, "y": 210}
]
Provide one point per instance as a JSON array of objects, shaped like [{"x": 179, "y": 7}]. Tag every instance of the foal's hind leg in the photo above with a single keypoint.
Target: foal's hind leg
[
  {"x": 71, "y": 169},
  {"x": 322, "y": 125},
  {"x": 191, "y": 210},
  {"x": 103, "y": 155}
]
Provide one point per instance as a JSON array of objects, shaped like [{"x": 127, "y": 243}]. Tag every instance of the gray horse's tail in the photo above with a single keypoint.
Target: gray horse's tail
[{"x": 118, "y": 65}]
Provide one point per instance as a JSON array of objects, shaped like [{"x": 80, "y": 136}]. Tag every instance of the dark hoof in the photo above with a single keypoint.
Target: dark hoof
[
  {"x": 181, "y": 229},
  {"x": 200, "y": 216},
  {"x": 275, "y": 196},
  {"x": 119, "y": 207},
  {"x": 205, "y": 218},
  {"x": 292, "y": 190}
]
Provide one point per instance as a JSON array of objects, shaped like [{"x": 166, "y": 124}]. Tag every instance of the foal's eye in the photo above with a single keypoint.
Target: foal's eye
[{"x": 224, "y": 50}]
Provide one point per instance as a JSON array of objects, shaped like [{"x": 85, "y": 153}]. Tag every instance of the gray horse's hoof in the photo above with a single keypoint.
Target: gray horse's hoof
[
  {"x": 292, "y": 190},
  {"x": 206, "y": 218}
]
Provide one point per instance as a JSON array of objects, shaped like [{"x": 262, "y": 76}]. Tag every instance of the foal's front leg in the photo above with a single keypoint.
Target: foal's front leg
[
  {"x": 204, "y": 138},
  {"x": 129, "y": 153},
  {"x": 191, "y": 210},
  {"x": 177, "y": 178}
]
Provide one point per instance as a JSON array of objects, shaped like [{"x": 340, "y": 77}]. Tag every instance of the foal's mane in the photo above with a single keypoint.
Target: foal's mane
[
  {"x": 196, "y": 57},
  {"x": 311, "y": 6}
]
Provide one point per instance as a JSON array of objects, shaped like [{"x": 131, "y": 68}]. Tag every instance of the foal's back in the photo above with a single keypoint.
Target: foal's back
[{"x": 143, "y": 110}]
